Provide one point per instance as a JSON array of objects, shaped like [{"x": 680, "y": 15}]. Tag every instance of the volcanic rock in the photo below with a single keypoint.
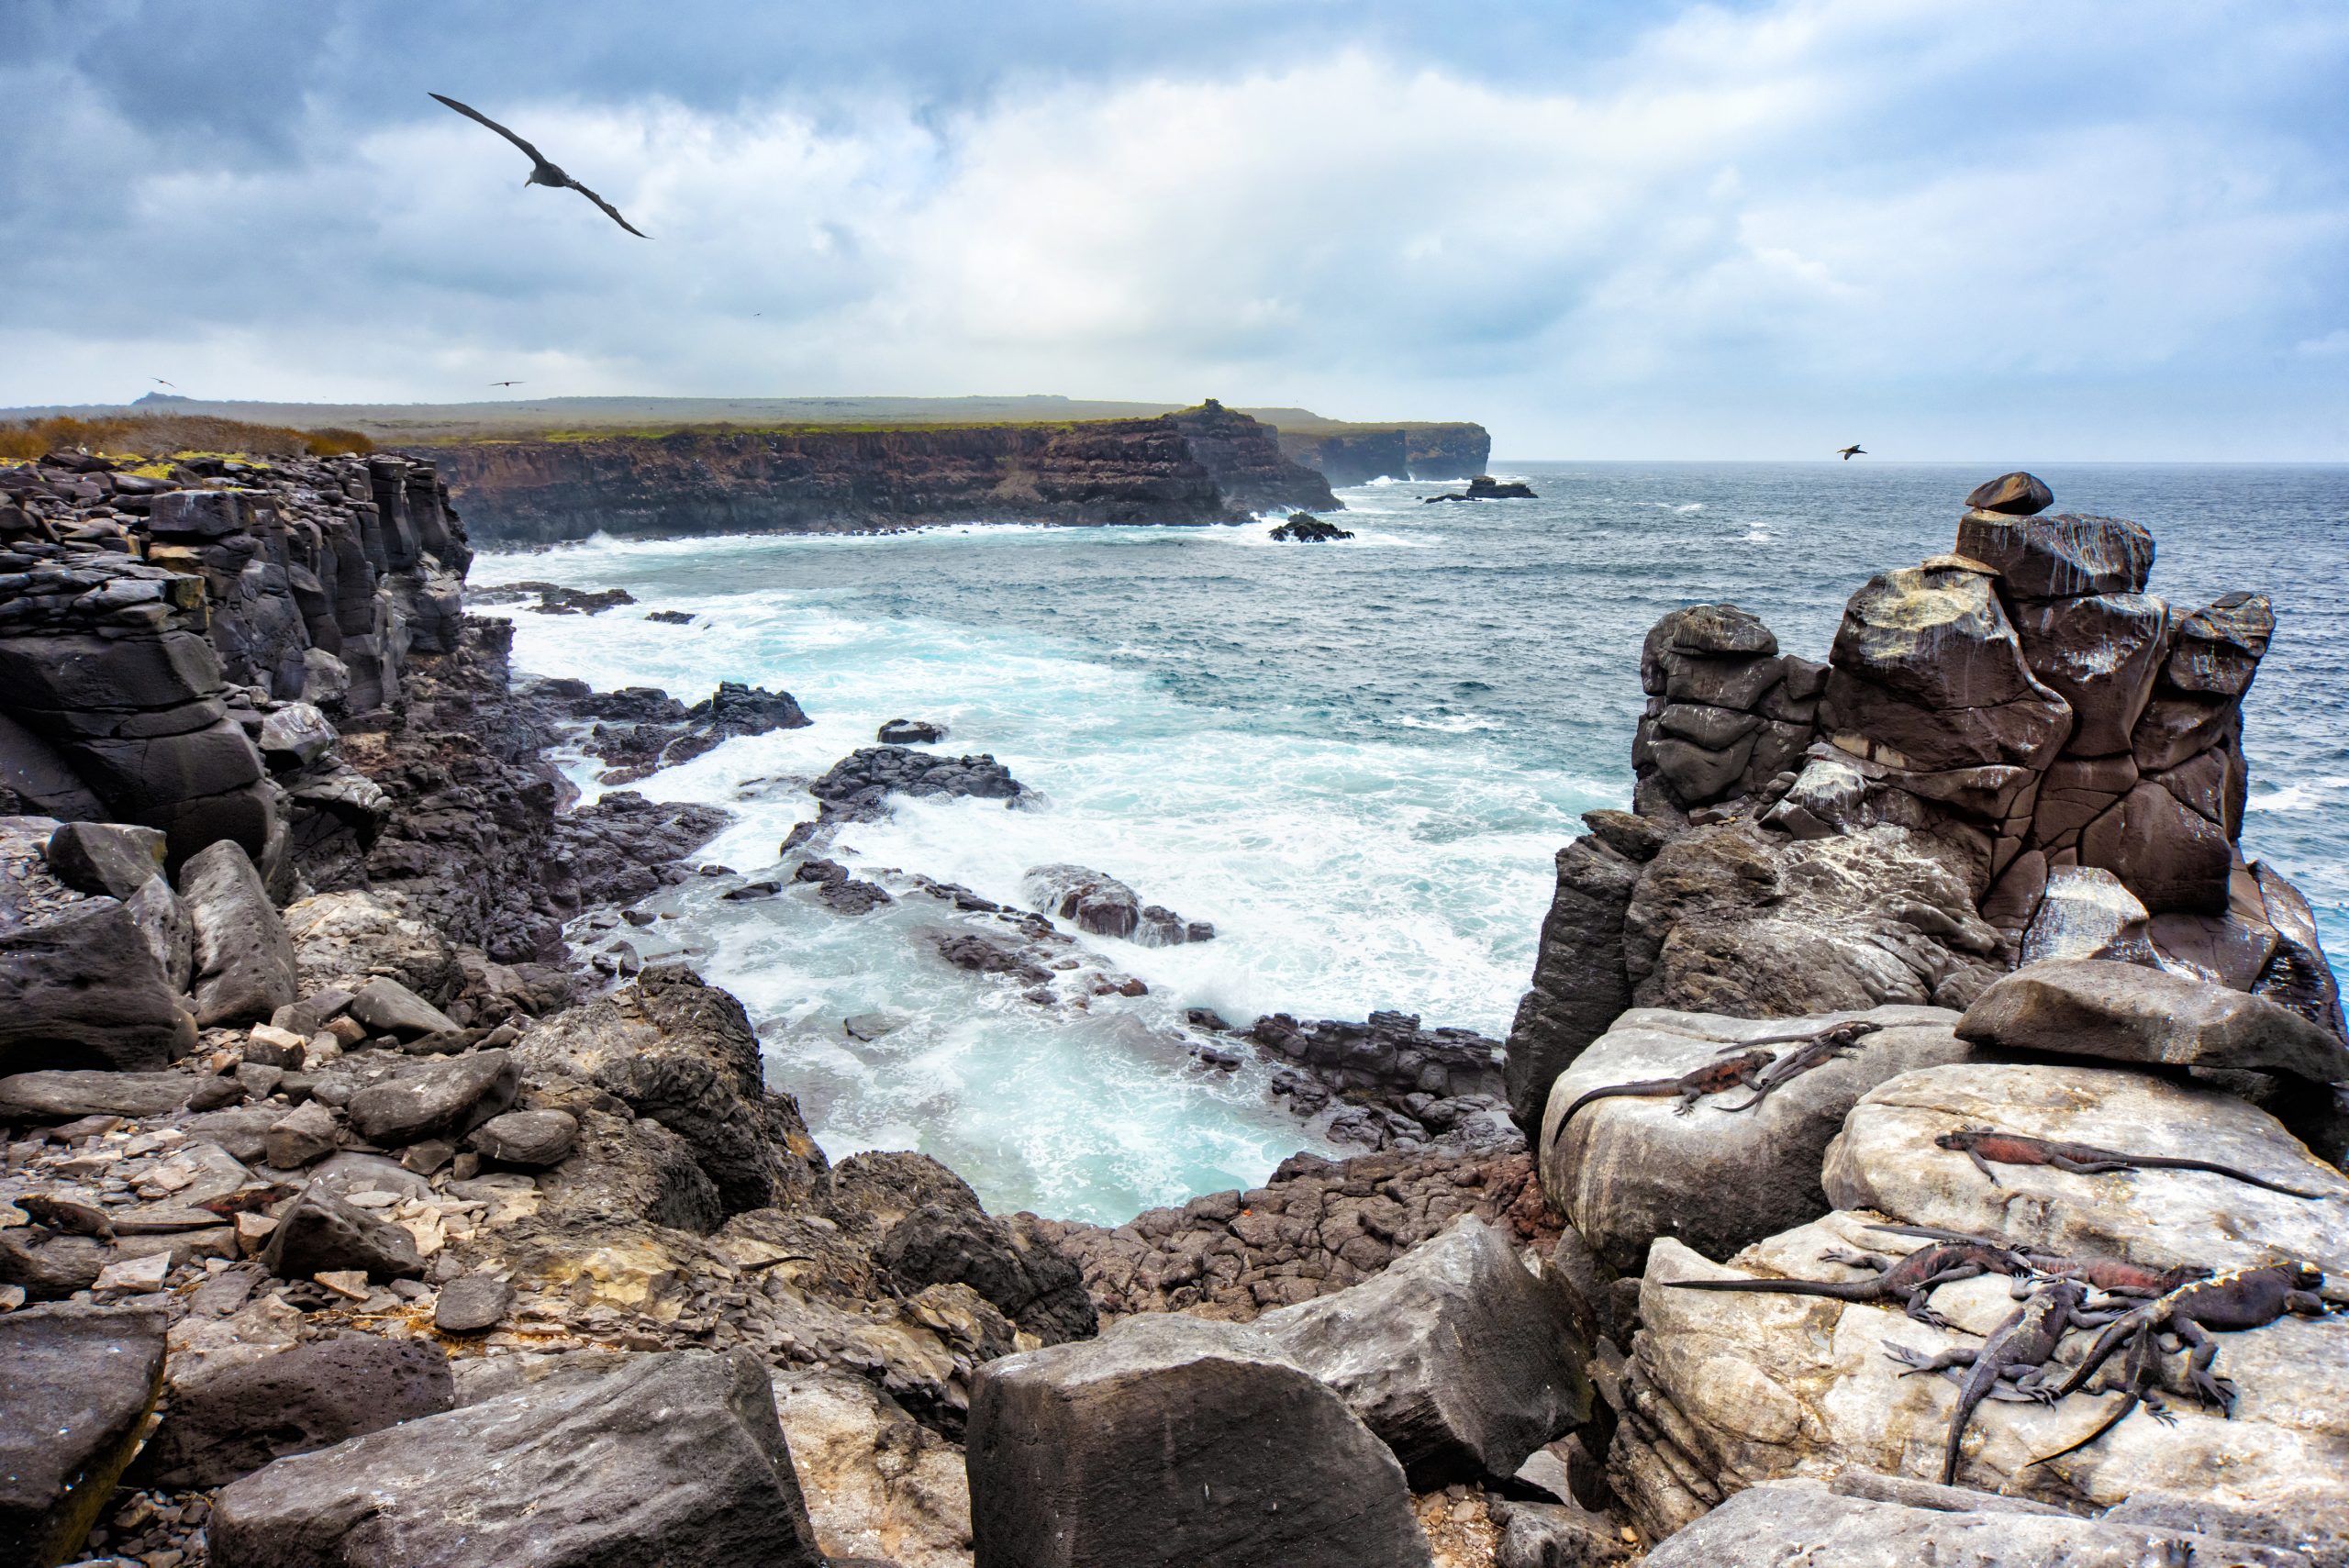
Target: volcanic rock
[
  {"x": 911, "y": 732},
  {"x": 310, "y": 1396},
  {"x": 2016, "y": 495},
  {"x": 321, "y": 1234},
  {"x": 244, "y": 961},
  {"x": 532, "y": 1140},
  {"x": 449, "y": 1096},
  {"x": 2123, "y": 1012},
  {"x": 76, "y": 1384}
]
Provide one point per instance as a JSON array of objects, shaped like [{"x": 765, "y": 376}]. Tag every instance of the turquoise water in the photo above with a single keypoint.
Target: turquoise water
[{"x": 1356, "y": 759}]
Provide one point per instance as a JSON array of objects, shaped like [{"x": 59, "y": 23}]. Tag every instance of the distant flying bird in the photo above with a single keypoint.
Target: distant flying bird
[
  {"x": 159, "y": 380},
  {"x": 504, "y": 384},
  {"x": 542, "y": 172},
  {"x": 1848, "y": 453}
]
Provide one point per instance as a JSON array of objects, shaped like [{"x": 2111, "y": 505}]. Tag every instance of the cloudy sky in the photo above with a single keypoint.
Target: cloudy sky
[{"x": 1950, "y": 229}]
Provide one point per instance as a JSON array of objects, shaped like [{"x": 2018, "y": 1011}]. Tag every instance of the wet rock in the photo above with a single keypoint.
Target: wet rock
[
  {"x": 1304, "y": 527},
  {"x": 75, "y": 1385},
  {"x": 984, "y": 954},
  {"x": 1453, "y": 1355},
  {"x": 472, "y": 1304},
  {"x": 841, "y": 893},
  {"x": 244, "y": 961},
  {"x": 2059, "y": 557},
  {"x": 1099, "y": 903},
  {"x": 1627, "y": 1170},
  {"x": 387, "y": 1007},
  {"x": 1175, "y": 1441},
  {"x": 2122, "y": 1012},
  {"x": 532, "y": 1140},
  {"x": 672, "y": 1458},
  {"x": 911, "y": 732},
  {"x": 310, "y": 1396},
  {"x": 448, "y": 1096},
  {"x": 2016, "y": 495},
  {"x": 323, "y": 1234},
  {"x": 1829, "y": 1527}
]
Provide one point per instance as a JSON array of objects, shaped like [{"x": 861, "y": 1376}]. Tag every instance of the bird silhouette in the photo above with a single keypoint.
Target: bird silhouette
[
  {"x": 1855, "y": 449},
  {"x": 504, "y": 384},
  {"x": 159, "y": 380},
  {"x": 542, "y": 172}
]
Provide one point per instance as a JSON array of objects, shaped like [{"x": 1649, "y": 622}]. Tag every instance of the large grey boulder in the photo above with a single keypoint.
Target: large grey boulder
[
  {"x": 2060, "y": 557},
  {"x": 1453, "y": 1354},
  {"x": 2125, "y": 1012},
  {"x": 1827, "y": 1527},
  {"x": 1173, "y": 1441},
  {"x": 321, "y": 1233},
  {"x": 244, "y": 962},
  {"x": 81, "y": 983},
  {"x": 69, "y": 1095},
  {"x": 1886, "y": 1160},
  {"x": 75, "y": 1385},
  {"x": 388, "y": 1007},
  {"x": 672, "y": 1459},
  {"x": 313, "y": 1396},
  {"x": 1628, "y": 1169},
  {"x": 110, "y": 858},
  {"x": 447, "y": 1098}
]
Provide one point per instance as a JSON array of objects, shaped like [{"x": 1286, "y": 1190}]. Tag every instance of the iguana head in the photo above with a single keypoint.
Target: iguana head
[{"x": 1963, "y": 1137}]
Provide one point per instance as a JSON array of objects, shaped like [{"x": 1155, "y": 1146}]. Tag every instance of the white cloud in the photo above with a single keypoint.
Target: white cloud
[{"x": 1746, "y": 222}]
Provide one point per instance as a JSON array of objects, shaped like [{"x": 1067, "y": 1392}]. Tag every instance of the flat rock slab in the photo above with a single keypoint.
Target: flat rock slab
[
  {"x": 75, "y": 1385},
  {"x": 1886, "y": 1160},
  {"x": 1756, "y": 1387},
  {"x": 2124, "y": 1012},
  {"x": 472, "y": 1304},
  {"x": 69, "y": 1095},
  {"x": 673, "y": 1459},
  {"x": 1628, "y": 1169},
  {"x": 448, "y": 1096},
  {"x": 1802, "y": 1521},
  {"x": 1173, "y": 1441},
  {"x": 1453, "y": 1354},
  {"x": 311, "y": 1397}
]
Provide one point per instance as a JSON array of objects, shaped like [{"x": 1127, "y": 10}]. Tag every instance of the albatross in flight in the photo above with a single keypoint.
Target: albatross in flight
[
  {"x": 1846, "y": 453},
  {"x": 542, "y": 172}
]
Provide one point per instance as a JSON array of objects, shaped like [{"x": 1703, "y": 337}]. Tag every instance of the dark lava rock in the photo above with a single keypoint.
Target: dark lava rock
[
  {"x": 675, "y": 1459},
  {"x": 66, "y": 1096},
  {"x": 1173, "y": 1439},
  {"x": 669, "y": 618},
  {"x": 321, "y": 1233},
  {"x": 448, "y": 1096},
  {"x": 49, "y": 1267},
  {"x": 984, "y": 954},
  {"x": 951, "y": 1243},
  {"x": 387, "y": 1007},
  {"x": 311, "y": 1397},
  {"x": 108, "y": 858},
  {"x": 2018, "y": 495},
  {"x": 1484, "y": 488},
  {"x": 2124, "y": 1012},
  {"x": 859, "y": 783},
  {"x": 841, "y": 892},
  {"x": 532, "y": 1140},
  {"x": 244, "y": 961},
  {"x": 1304, "y": 527},
  {"x": 749, "y": 890},
  {"x": 1097, "y": 902},
  {"x": 472, "y": 1304},
  {"x": 75, "y": 1385},
  {"x": 911, "y": 732}
]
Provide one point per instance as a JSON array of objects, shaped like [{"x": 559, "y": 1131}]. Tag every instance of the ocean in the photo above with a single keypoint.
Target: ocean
[{"x": 1356, "y": 759}]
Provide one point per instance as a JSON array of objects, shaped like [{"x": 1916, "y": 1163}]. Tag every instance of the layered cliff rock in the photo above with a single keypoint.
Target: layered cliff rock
[
  {"x": 1208, "y": 464},
  {"x": 1357, "y": 453}
]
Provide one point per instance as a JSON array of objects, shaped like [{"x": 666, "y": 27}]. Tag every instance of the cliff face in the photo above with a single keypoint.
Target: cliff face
[
  {"x": 1202, "y": 465},
  {"x": 1358, "y": 454}
]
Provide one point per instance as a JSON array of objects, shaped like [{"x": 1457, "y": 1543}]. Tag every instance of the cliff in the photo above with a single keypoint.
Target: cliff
[{"x": 1354, "y": 453}]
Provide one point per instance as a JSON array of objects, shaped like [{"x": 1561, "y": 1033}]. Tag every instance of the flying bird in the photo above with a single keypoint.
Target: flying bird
[
  {"x": 159, "y": 380},
  {"x": 504, "y": 384},
  {"x": 1855, "y": 449},
  {"x": 542, "y": 172}
]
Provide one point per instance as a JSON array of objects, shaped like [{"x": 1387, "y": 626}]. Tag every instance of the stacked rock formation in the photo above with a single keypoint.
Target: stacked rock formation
[{"x": 2012, "y": 752}]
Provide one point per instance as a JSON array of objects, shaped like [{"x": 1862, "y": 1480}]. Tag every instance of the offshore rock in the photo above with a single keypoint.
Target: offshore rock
[
  {"x": 1096, "y": 903},
  {"x": 1455, "y": 1356},
  {"x": 1169, "y": 1439},
  {"x": 1628, "y": 1169},
  {"x": 2062, "y": 557},
  {"x": 76, "y": 1384},
  {"x": 675, "y": 1459}
]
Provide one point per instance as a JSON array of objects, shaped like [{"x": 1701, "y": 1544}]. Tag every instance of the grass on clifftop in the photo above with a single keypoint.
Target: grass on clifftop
[{"x": 170, "y": 435}]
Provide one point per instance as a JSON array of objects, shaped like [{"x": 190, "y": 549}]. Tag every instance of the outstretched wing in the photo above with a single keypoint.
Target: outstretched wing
[
  {"x": 610, "y": 210},
  {"x": 473, "y": 114}
]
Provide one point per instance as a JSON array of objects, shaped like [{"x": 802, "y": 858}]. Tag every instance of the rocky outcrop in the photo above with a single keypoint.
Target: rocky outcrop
[
  {"x": 1358, "y": 453},
  {"x": 1105, "y": 906},
  {"x": 1206, "y": 464},
  {"x": 1304, "y": 527}
]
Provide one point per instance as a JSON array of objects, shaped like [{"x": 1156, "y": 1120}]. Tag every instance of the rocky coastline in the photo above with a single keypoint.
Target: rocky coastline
[{"x": 354, "y": 1217}]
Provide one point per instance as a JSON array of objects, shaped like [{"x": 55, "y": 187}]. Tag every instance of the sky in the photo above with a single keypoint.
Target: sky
[{"x": 1960, "y": 229}]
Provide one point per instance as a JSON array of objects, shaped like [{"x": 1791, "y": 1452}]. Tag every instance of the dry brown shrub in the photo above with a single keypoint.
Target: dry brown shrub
[{"x": 163, "y": 435}]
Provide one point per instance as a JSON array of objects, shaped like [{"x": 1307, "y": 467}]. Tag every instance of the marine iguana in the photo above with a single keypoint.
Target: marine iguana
[
  {"x": 2139, "y": 1382},
  {"x": 1729, "y": 1073},
  {"x": 2016, "y": 1352},
  {"x": 2239, "y": 1298},
  {"x": 1910, "y": 1280},
  {"x": 1983, "y": 1144},
  {"x": 1818, "y": 1047},
  {"x": 2113, "y": 1277}
]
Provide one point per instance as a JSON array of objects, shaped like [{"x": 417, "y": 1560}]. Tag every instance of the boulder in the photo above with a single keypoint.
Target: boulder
[
  {"x": 911, "y": 732},
  {"x": 2218, "y": 648},
  {"x": 1101, "y": 905},
  {"x": 2017, "y": 495},
  {"x": 63, "y": 1097},
  {"x": 2169, "y": 855},
  {"x": 446, "y": 1097},
  {"x": 311, "y": 1397},
  {"x": 306, "y": 1133},
  {"x": 85, "y": 979},
  {"x": 1828, "y": 1526},
  {"x": 52, "y": 1267},
  {"x": 2100, "y": 653},
  {"x": 2297, "y": 976},
  {"x": 2123, "y": 1012},
  {"x": 294, "y": 735},
  {"x": 879, "y": 1484},
  {"x": 76, "y": 1384},
  {"x": 1885, "y": 1159},
  {"x": 1454, "y": 1355},
  {"x": 110, "y": 858},
  {"x": 673, "y": 1459},
  {"x": 322, "y": 1234},
  {"x": 387, "y": 1007},
  {"x": 244, "y": 962},
  {"x": 2086, "y": 913},
  {"x": 2061, "y": 557},
  {"x": 1628, "y": 1169},
  {"x": 532, "y": 1140},
  {"x": 471, "y": 1304},
  {"x": 1170, "y": 1440},
  {"x": 949, "y": 1241}
]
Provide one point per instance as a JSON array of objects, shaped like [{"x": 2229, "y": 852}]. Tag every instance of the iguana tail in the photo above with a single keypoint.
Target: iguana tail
[
  {"x": 2172, "y": 1164},
  {"x": 2102, "y": 1351},
  {"x": 2118, "y": 1416}
]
